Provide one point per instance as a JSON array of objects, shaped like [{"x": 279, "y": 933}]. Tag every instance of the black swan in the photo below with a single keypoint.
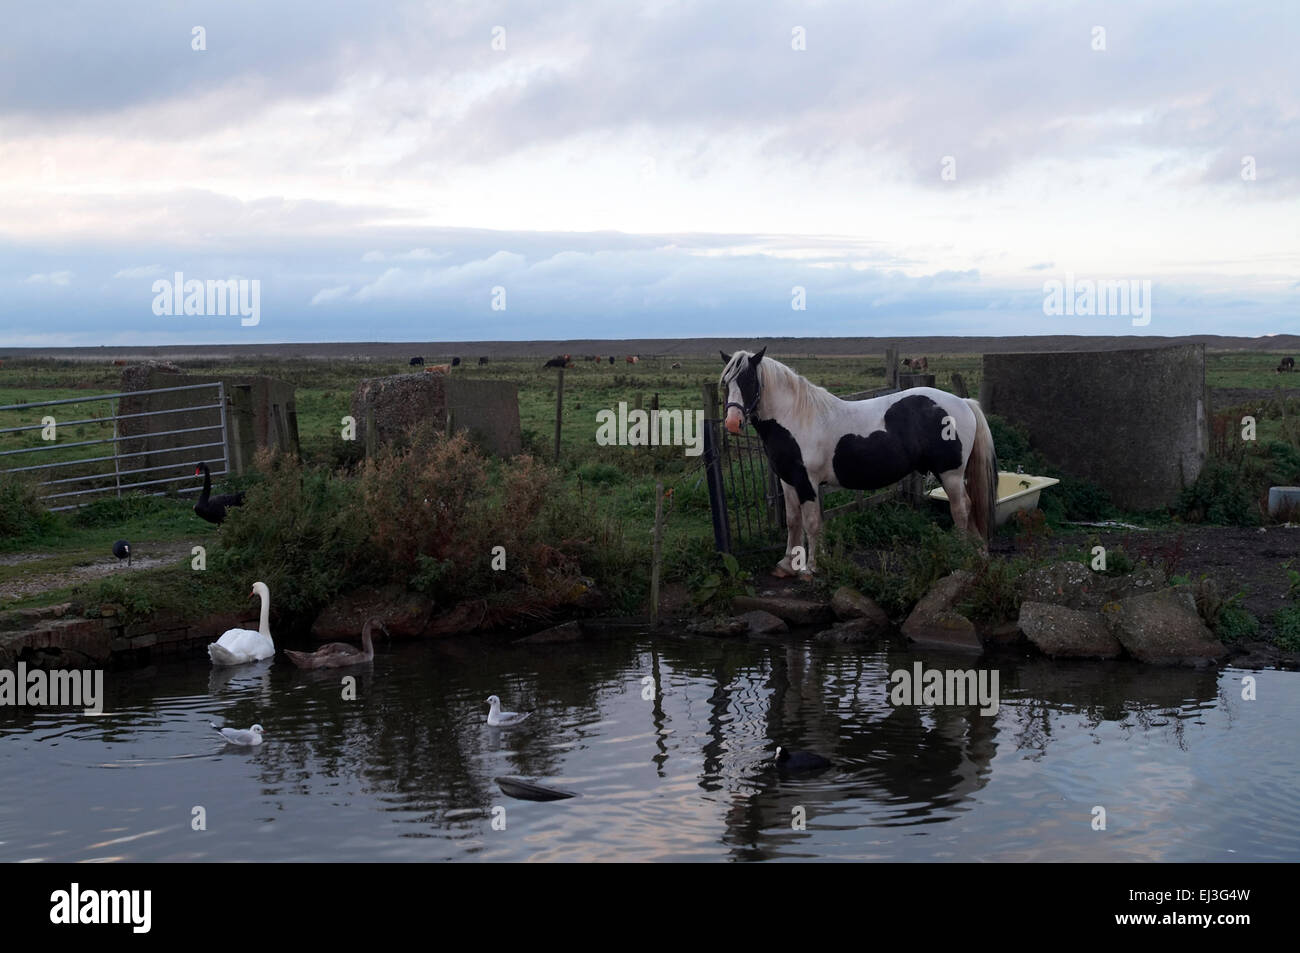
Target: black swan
[{"x": 213, "y": 509}]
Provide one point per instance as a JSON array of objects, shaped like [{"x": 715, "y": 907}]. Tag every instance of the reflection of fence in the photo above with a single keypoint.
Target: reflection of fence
[{"x": 142, "y": 444}]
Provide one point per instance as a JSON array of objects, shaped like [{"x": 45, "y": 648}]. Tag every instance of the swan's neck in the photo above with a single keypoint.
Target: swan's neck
[
  {"x": 366, "y": 645},
  {"x": 207, "y": 485},
  {"x": 265, "y": 626}
]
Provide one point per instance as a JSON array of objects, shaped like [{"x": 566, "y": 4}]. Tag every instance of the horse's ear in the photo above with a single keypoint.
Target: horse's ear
[
  {"x": 758, "y": 357},
  {"x": 726, "y": 358}
]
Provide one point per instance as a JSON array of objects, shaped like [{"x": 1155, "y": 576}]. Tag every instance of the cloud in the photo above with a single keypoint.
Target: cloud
[
  {"x": 60, "y": 278},
  {"x": 329, "y": 294},
  {"x": 415, "y": 254},
  {"x": 140, "y": 271}
]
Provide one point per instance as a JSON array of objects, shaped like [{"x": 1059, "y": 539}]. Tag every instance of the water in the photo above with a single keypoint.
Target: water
[{"x": 1185, "y": 769}]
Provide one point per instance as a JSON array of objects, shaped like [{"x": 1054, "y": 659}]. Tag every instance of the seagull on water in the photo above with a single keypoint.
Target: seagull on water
[
  {"x": 503, "y": 719},
  {"x": 238, "y": 736}
]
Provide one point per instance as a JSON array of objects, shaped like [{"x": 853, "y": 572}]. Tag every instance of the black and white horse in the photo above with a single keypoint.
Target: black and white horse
[{"x": 812, "y": 437}]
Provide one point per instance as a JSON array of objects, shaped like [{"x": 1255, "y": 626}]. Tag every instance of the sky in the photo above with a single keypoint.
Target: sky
[{"x": 502, "y": 171}]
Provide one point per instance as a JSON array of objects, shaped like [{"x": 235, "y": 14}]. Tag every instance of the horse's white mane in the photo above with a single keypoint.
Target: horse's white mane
[{"x": 805, "y": 399}]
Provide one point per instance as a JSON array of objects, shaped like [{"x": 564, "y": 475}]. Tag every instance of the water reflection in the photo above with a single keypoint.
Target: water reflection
[{"x": 670, "y": 742}]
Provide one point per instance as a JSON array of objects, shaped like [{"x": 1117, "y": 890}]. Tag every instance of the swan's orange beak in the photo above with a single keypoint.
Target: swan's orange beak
[{"x": 734, "y": 420}]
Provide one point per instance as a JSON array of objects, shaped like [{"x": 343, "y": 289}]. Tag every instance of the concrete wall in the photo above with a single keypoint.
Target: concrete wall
[
  {"x": 1132, "y": 421},
  {"x": 395, "y": 405},
  {"x": 259, "y": 412}
]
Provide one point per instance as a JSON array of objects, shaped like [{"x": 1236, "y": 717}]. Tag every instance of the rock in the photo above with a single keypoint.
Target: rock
[
  {"x": 405, "y": 614},
  {"x": 1145, "y": 579},
  {"x": 1061, "y": 632},
  {"x": 1076, "y": 586},
  {"x": 848, "y": 603},
  {"x": 851, "y": 631},
  {"x": 1163, "y": 628},
  {"x": 763, "y": 623},
  {"x": 725, "y": 627},
  {"x": 567, "y": 632},
  {"x": 936, "y": 622},
  {"x": 793, "y": 611},
  {"x": 1061, "y": 584}
]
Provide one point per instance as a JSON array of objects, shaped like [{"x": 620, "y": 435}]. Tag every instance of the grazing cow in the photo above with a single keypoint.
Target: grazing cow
[
  {"x": 1288, "y": 364},
  {"x": 455, "y": 362},
  {"x": 482, "y": 361},
  {"x": 438, "y": 369},
  {"x": 119, "y": 363},
  {"x": 417, "y": 362},
  {"x": 611, "y": 359},
  {"x": 633, "y": 358},
  {"x": 556, "y": 362},
  {"x": 676, "y": 365}
]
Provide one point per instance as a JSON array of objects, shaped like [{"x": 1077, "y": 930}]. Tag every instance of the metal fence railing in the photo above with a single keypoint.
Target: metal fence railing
[
  {"x": 151, "y": 446},
  {"x": 745, "y": 497}
]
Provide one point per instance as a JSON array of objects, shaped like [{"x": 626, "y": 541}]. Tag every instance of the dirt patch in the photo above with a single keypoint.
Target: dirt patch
[{"x": 33, "y": 581}]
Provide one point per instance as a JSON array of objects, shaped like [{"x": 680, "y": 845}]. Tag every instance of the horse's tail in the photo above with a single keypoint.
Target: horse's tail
[{"x": 982, "y": 475}]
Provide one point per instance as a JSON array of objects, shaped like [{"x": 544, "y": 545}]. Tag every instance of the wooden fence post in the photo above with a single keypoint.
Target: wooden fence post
[
  {"x": 891, "y": 365},
  {"x": 559, "y": 408},
  {"x": 657, "y": 552}
]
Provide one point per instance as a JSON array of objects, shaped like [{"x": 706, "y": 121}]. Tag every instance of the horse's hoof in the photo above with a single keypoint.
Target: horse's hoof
[{"x": 806, "y": 575}]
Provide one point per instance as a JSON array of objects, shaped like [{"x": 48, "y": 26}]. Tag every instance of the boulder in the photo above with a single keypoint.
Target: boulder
[
  {"x": 763, "y": 623},
  {"x": 793, "y": 611},
  {"x": 405, "y": 614},
  {"x": 851, "y": 631},
  {"x": 1062, "y": 632},
  {"x": 935, "y": 620},
  {"x": 724, "y": 627},
  {"x": 1076, "y": 586},
  {"x": 848, "y": 603},
  {"x": 1163, "y": 628}
]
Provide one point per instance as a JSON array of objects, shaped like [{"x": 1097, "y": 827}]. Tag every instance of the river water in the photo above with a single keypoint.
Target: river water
[{"x": 1184, "y": 768}]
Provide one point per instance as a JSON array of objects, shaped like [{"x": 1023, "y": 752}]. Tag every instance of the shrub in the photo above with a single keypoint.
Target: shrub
[
  {"x": 1287, "y": 621},
  {"x": 22, "y": 513}
]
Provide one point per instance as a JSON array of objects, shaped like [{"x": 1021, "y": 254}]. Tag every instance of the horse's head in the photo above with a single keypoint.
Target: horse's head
[{"x": 741, "y": 387}]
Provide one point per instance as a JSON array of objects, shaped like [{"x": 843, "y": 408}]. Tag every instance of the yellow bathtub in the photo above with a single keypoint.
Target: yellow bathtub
[{"x": 1017, "y": 492}]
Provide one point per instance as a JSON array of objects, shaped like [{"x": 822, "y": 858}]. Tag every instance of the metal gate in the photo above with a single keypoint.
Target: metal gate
[
  {"x": 745, "y": 497},
  {"x": 146, "y": 442}
]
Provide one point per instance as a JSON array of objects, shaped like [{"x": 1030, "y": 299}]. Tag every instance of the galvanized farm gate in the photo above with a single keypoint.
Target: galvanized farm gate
[{"x": 143, "y": 444}]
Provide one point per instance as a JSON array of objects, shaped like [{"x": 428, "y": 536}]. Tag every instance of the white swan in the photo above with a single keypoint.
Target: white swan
[
  {"x": 238, "y": 646},
  {"x": 503, "y": 719}
]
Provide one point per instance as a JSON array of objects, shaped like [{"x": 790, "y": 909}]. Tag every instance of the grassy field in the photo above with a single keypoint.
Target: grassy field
[{"x": 615, "y": 485}]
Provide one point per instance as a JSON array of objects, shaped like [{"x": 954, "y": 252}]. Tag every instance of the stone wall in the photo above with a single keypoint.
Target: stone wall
[
  {"x": 388, "y": 408},
  {"x": 1132, "y": 421},
  {"x": 58, "y": 637}
]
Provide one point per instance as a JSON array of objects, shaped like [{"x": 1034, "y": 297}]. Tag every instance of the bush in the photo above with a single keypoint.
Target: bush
[
  {"x": 1287, "y": 621},
  {"x": 1071, "y": 499},
  {"x": 1235, "y": 623},
  {"x": 22, "y": 513},
  {"x": 298, "y": 531}
]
